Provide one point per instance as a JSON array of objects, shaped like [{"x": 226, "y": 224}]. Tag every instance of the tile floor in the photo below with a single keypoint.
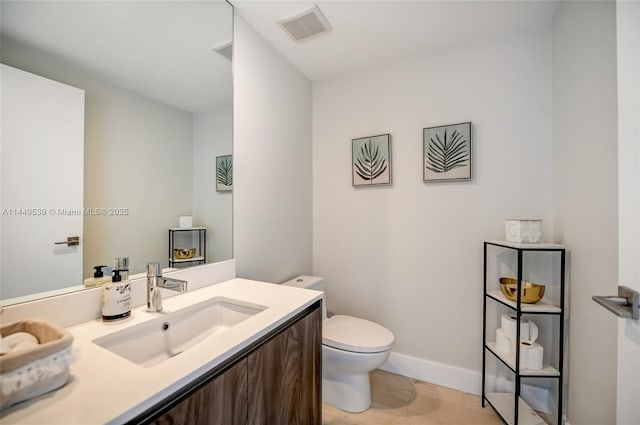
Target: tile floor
[{"x": 398, "y": 400}]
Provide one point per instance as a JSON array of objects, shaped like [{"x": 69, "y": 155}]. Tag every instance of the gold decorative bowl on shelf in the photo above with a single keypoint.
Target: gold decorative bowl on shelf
[
  {"x": 184, "y": 253},
  {"x": 531, "y": 292}
]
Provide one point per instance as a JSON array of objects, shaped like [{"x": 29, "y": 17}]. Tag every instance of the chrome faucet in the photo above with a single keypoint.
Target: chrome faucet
[{"x": 155, "y": 281}]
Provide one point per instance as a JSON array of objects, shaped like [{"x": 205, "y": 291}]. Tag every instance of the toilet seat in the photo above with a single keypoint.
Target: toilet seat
[{"x": 356, "y": 335}]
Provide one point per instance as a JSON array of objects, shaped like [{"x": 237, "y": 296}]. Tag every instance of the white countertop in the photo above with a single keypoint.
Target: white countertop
[{"x": 108, "y": 389}]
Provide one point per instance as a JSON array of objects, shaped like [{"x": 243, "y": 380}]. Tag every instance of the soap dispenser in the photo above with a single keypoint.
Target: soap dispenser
[
  {"x": 98, "y": 278},
  {"x": 122, "y": 264},
  {"x": 116, "y": 298}
]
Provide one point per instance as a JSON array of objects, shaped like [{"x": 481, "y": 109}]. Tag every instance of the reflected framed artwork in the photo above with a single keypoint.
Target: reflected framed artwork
[
  {"x": 447, "y": 153},
  {"x": 371, "y": 161},
  {"x": 224, "y": 173}
]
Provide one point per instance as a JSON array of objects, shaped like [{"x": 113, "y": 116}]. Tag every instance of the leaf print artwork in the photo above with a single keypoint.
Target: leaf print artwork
[
  {"x": 447, "y": 153},
  {"x": 224, "y": 173},
  {"x": 371, "y": 161}
]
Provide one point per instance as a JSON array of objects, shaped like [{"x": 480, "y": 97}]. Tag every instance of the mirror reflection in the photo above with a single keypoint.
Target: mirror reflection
[{"x": 113, "y": 116}]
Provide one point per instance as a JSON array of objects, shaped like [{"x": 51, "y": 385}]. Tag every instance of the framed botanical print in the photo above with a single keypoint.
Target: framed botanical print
[
  {"x": 447, "y": 153},
  {"x": 224, "y": 173},
  {"x": 371, "y": 160}
]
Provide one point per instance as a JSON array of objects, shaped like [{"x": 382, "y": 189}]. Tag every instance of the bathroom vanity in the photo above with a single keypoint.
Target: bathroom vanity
[
  {"x": 275, "y": 380},
  {"x": 262, "y": 369}
]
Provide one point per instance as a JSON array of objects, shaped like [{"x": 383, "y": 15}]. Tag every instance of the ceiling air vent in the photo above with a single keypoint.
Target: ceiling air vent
[{"x": 307, "y": 24}]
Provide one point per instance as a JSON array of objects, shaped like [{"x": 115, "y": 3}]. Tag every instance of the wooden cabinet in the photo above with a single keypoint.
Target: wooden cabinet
[
  {"x": 222, "y": 401},
  {"x": 285, "y": 381},
  {"x": 276, "y": 380}
]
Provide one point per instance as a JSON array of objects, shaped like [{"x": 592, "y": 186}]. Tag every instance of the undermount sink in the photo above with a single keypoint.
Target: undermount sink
[{"x": 164, "y": 337}]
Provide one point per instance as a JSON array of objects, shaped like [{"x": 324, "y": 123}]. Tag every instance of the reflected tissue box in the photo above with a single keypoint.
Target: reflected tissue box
[
  {"x": 523, "y": 231},
  {"x": 185, "y": 221}
]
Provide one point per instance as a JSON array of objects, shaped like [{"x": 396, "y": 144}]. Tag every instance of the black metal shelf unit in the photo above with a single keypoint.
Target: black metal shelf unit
[
  {"x": 200, "y": 256},
  {"x": 511, "y": 408}
]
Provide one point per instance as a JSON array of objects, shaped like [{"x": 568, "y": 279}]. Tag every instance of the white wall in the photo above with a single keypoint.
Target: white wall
[
  {"x": 272, "y": 161},
  {"x": 584, "y": 197},
  {"x": 138, "y": 155},
  {"x": 211, "y": 138},
  {"x": 409, "y": 256}
]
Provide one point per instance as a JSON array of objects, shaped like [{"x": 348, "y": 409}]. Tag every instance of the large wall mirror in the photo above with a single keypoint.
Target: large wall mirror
[{"x": 154, "y": 79}]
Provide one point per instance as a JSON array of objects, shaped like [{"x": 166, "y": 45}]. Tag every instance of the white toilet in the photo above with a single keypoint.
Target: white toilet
[{"x": 351, "y": 348}]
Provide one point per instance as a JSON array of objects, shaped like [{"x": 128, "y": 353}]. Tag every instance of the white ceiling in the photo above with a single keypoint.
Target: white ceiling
[
  {"x": 160, "y": 49},
  {"x": 368, "y": 32}
]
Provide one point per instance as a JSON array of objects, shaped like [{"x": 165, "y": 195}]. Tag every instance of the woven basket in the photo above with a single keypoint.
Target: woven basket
[{"x": 53, "y": 348}]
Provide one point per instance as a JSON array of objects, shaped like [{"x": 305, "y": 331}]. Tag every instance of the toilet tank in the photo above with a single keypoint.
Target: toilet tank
[{"x": 307, "y": 282}]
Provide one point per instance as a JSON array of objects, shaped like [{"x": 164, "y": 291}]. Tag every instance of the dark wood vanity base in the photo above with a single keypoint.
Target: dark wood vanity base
[{"x": 277, "y": 380}]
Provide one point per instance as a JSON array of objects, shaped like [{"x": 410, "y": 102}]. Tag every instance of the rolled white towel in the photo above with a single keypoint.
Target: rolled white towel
[
  {"x": 25, "y": 344},
  {"x": 19, "y": 341},
  {"x": 4, "y": 347}
]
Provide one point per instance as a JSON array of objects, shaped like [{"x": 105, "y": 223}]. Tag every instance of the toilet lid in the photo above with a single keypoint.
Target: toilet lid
[{"x": 357, "y": 335}]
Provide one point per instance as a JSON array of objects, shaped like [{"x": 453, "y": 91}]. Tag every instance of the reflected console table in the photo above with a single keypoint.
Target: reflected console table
[{"x": 200, "y": 257}]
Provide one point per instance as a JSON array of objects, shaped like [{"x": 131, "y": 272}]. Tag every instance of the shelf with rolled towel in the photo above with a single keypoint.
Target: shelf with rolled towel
[
  {"x": 531, "y": 352},
  {"x": 525, "y": 359},
  {"x": 510, "y": 362}
]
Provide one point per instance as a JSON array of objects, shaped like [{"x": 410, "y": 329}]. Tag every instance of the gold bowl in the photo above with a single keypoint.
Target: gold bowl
[
  {"x": 184, "y": 253},
  {"x": 531, "y": 292}
]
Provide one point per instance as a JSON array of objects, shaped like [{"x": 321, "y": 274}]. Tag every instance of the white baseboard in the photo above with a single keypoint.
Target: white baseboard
[
  {"x": 441, "y": 374},
  {"x": 457, "y": 378}
]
